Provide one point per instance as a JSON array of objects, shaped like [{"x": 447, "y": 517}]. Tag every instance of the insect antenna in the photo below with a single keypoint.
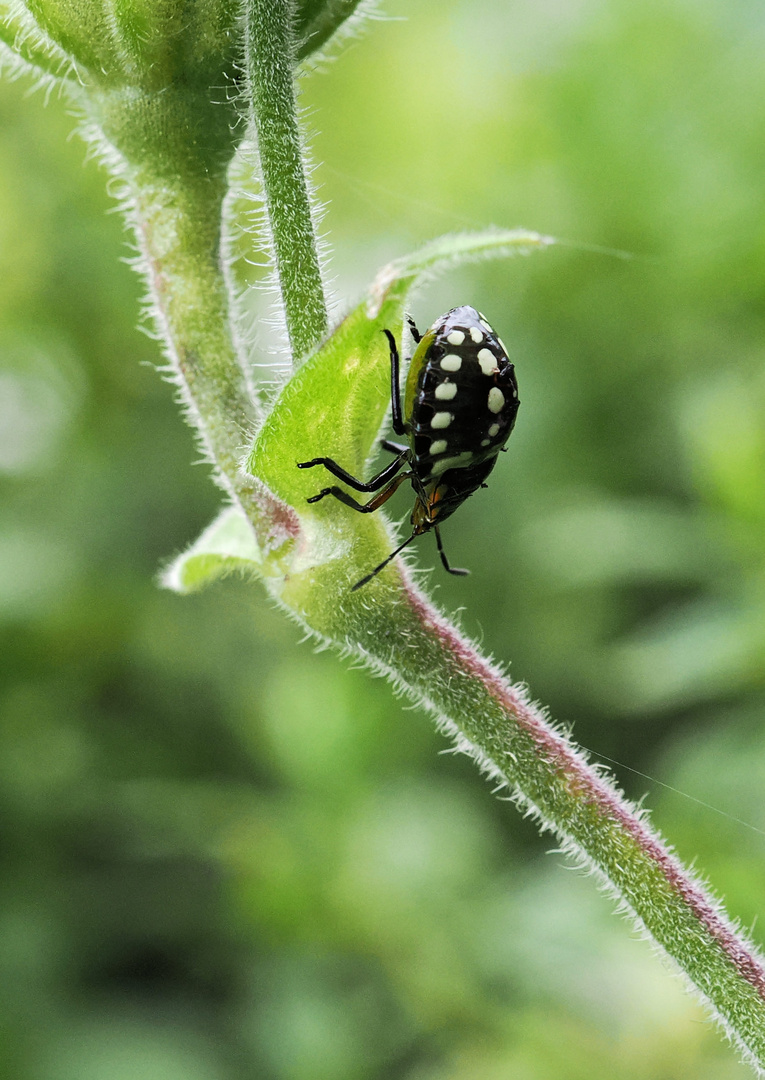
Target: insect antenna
[{"x": 384, "y": 563}]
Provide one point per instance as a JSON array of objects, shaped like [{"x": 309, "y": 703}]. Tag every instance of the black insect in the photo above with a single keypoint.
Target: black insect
[{"x": 460, "y": 404}]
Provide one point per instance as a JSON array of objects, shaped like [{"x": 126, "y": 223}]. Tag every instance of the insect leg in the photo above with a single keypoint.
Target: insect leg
[
  {"x": 372, "y": 485},
  {"x": 444, "y": 560},
  {"x": 384, "y": 563},
  {"x": 415, "y": 332},
  {"x": 393, "y": 447},
  {"x": 373, "y": 504},
  {"x": 397, "y": 420}
]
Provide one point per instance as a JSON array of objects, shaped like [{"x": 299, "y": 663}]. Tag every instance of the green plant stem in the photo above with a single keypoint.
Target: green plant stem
[
  {"x": 177, "y": 224},
  {"x": 178, "y": 228},
  {"x": 403, "y": 637},
  {"x": 269, "y": 58},
  {"x": 595, "y": 822}
]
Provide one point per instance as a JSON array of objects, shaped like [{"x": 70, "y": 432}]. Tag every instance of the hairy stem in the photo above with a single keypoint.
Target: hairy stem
[
  {"x": 409, "y": 641},
  {"x": 270, "y": 64},
  {"x": 178, "y": 230}
]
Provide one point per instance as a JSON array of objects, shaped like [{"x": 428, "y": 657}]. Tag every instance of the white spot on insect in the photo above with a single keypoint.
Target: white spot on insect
[
  {"x": 488, "y": 361},
  {"x": 485, "y": 442},
  {"x": 493, "y": 430},
  {"x": 443, "y": 419},
  {"x": 515, "y": 393},
  {"x": 452, "y": 462},
  {"x": 456, "y": 337},
  {"x": 446, "y": 391},
  {"x": 438, "y": 446},
  {"x": 502, "y": 345},
  {"x": 451, "y": 362},
  {"x": 485, "y": 325},
  {"x": 496, "y": 401},
  {"x": 476, "y": 334}
]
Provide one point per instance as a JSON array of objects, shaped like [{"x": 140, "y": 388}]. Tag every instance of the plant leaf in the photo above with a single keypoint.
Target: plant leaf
[
  {"x": 316, "y": 21},
  {"x": 226, "y": 546}
]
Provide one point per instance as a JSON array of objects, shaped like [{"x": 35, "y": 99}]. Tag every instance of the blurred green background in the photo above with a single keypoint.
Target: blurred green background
[{"x": 225, "y": 856}]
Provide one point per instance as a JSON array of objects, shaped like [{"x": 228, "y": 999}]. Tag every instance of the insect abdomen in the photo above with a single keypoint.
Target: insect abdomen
[{"x": 464, "y": 398}]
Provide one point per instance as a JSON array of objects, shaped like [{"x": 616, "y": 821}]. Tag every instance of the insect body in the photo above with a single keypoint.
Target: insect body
[{"x": 460, "y": 404}]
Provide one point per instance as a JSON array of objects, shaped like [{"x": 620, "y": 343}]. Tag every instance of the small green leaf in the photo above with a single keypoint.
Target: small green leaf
[
  {"x": 316, "y": 21},
  {"x": 227, "y": 545},
  {"x": 456, "y": 249}
]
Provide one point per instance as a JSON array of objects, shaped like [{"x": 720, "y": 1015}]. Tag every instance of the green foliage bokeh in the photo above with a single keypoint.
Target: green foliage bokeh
[{"x": 224, "y": 856}]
